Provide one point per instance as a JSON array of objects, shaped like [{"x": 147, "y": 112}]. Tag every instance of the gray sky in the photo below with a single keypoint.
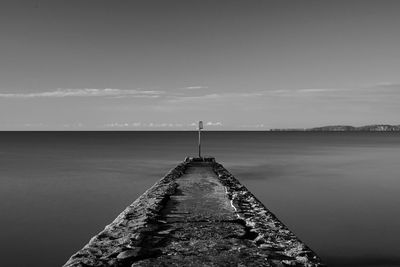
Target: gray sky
[{"x": 162, "y": 65}]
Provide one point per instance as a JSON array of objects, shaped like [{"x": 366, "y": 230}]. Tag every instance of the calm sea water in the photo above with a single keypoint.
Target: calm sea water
[{"x": 339, "y": 192}]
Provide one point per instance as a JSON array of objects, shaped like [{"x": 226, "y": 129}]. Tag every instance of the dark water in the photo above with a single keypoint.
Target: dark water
[{"x": 339, "y": 192}]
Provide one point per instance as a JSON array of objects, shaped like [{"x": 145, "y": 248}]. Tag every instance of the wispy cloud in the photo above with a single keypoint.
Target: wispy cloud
[
  {"x": 122, "y": 124},
  {"x": 210, "y": 123},
  {"x": 186, "y": 98},
  {"x": 214, "y": 96},
  {"x": 143, "y": 125},
  {"x": 318, "y": 90},
  {"x": 321, "y": 94},
  {"x": 252, "y": 126},
  {"x": 195, "y": 87},
  {"x": 386, "y": 84},
  {"x": 171, "y": 96},
  {"x": 300, "y": 92},
  {"x": 160, "y": 125},
  {"x": 86, "y": 92},
  {"x": 379, "y": 88}
]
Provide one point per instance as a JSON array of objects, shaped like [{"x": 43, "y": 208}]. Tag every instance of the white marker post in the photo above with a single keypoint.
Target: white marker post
[{"x": 200, "y": 127}]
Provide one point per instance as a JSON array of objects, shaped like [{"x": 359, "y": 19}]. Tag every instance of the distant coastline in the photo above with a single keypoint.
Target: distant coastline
[{"x": 346, "y": 128}]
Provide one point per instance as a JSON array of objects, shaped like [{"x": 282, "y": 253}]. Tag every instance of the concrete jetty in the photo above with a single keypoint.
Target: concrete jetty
[{"x": 197, "y": 215}]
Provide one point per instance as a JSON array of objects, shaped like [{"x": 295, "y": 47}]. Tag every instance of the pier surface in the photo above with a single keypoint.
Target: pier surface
[{"x": 197, "y": 215}]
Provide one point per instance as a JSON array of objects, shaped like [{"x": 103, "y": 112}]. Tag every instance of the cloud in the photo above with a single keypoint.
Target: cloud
[
  {"x": 279, "y": 91},
  {"x": 195, "y": 87},
  {"x": 122, "y": 124},
  {"x": 253, "y": 99},
  {"x": 251, "y": 126},
  {"x": 316, "y": 90},
  {"x": 86, "y": 92},
  {"x": 214, "y": 96},
  {"x": 143, "y": 125},
  {"x": 186, "y": 98},
  {"x": 386, "y": 84},
  {"x": 162, "y": 125},
  {"x": 210, "y": 123},
  {"x": 381, "y": 89}
]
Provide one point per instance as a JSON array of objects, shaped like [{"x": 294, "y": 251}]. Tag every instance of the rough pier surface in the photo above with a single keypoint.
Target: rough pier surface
[{"x": 197, "y": 215}]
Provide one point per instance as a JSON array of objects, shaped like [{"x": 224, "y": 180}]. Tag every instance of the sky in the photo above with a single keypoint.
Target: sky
[{"x": 164, "y": 65}]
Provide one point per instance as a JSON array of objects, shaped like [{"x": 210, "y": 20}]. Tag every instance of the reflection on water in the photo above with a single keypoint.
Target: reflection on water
[{"x": 337, "y": 191}]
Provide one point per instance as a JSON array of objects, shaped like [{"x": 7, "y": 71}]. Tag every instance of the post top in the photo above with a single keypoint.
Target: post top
[{"x": 200, "y": 125}]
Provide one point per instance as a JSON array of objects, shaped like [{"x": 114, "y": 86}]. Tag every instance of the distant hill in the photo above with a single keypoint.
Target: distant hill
[
  {"x": 333, "y": 128},
  {"x": 346, "y": 128}
]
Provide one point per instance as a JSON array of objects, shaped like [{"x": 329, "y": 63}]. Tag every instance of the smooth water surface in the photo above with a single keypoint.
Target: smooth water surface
[{"x": 338, "y": 192}]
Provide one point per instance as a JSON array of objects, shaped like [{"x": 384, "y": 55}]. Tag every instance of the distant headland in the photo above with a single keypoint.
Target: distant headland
[{"x": 346, "y": 128}]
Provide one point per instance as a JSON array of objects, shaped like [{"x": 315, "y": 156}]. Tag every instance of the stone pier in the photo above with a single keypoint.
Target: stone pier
[{"x": 197, "y": 215}]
